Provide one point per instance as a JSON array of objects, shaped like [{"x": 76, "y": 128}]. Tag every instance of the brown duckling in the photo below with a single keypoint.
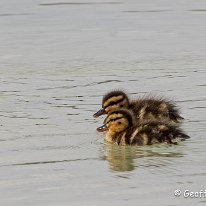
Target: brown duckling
[
  {"x": 145, "y": 108},
  {"x": 122, "y": 130}
]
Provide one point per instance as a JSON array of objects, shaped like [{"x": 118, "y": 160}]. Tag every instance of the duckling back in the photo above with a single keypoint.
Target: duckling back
[
  {"x": 148, "y": 133},
  {"x": 123, "y": 129},
  {"x": 150, "y": 108},
  {"x": 151, "y": 132},
  {"x": 145, "y": 108}
]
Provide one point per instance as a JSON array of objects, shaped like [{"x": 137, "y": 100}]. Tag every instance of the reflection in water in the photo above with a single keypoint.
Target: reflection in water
[
  {"x": 123, "y": 158},
  {"x": 120, "y": 158}
]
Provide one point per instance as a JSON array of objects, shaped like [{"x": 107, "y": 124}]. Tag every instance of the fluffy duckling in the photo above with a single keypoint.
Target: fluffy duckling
[
  {"x": 146, "y": 108},
  {"x": 122, "y": 130}
]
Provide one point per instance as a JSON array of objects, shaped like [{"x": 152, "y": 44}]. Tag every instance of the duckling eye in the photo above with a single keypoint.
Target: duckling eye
[
  {"x": 119, "y": 123},
  {"x": 121, "y": 105}
]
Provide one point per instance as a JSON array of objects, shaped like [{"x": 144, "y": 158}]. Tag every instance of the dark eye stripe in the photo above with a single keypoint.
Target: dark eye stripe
[
  {"x": 113, "y": 103},
  {"x": 112, "y": 120}
]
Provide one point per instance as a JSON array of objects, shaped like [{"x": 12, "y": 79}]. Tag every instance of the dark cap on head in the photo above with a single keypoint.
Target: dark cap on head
[
  {"x": 114, "y": 94},
  {"x": 112, "y": 100}
]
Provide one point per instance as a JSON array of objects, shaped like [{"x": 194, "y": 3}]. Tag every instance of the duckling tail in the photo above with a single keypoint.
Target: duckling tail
[
  {"x": 183, "y": 136},
  {"x": 178, "y": 136},
  {"x": 175, "y": 117}
]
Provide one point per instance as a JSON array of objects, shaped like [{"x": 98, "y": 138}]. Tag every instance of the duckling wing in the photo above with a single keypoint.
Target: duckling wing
[{"x": 155, "y": 108}]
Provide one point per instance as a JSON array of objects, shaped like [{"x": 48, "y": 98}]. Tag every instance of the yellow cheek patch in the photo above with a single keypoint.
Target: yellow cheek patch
[
  {"x": 112, "y": 99},
  {"x": 113, "y": 116},
  {"x": 110, "y": 108}
]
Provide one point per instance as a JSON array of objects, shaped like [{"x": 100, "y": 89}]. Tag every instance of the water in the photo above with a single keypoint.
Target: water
[{"x": 57, "y": 59}]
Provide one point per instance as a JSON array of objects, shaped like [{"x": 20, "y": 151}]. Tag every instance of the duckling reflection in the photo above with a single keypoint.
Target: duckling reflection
[
  {"x": 120, "y": 158},
  {"x": 128, "y": 158}
]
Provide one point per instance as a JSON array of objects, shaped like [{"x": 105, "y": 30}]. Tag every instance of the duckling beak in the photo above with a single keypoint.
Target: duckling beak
[
  {"x": 102, "y": 128},
  {"x": 99, "y": 113}
]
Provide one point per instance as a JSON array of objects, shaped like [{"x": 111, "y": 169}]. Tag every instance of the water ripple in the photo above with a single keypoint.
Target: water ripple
[
  {"x": 79, "y": 3},
  {"x": 17, "y": 14},
  {"x": 147, "y": 11},
  {"x": 48, "y": 162}
]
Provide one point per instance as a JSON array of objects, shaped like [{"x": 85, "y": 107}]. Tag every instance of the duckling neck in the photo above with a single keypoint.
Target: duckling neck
[
  {"x": 111, "y": 136},
  {"x": 120, "y": 138}
]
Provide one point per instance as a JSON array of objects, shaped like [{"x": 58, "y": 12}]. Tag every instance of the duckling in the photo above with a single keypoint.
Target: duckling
[
  {"x": 145, "y": 108},
  {"x": 122, "y": 130}
]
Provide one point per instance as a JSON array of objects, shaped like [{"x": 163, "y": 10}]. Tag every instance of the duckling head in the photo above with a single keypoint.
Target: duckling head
[
  {"x": 111, "y": 101},
  {"x": 117, "y": 121}
]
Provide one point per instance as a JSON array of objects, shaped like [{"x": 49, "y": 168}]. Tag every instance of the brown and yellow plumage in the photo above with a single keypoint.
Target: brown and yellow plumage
[
  {"x": 123, "y": 129},
  {"x": 145, "y": 108}
]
